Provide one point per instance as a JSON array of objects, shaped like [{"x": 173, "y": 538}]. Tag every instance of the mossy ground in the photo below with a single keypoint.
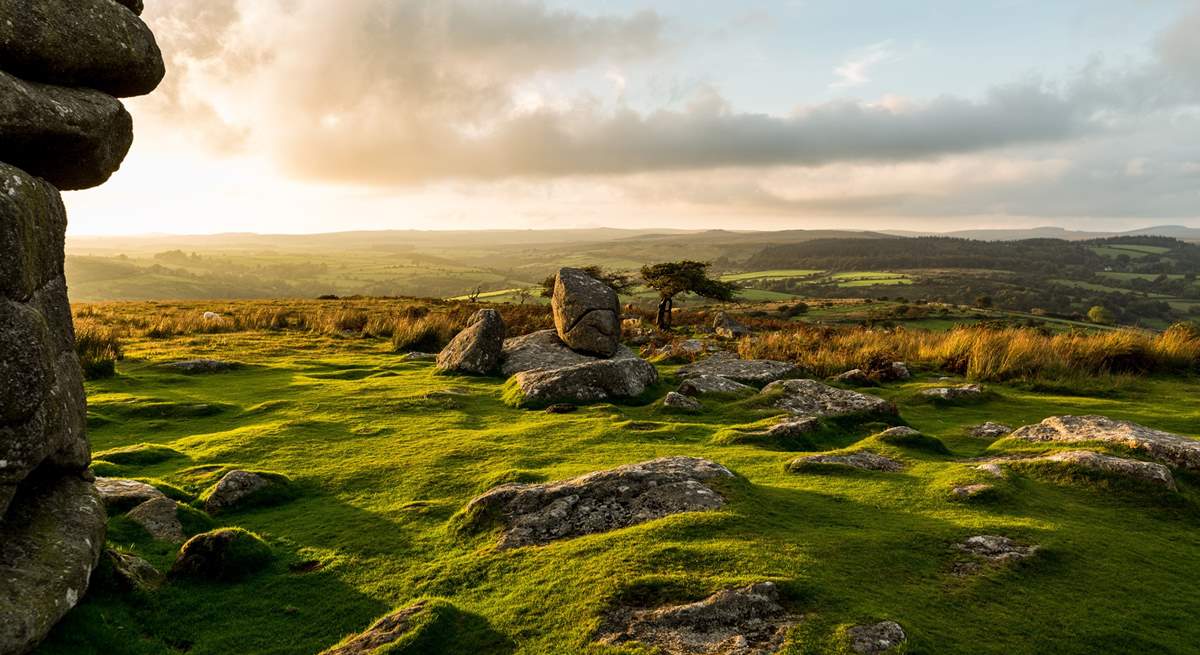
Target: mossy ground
[{"x": 382, "y": 462}]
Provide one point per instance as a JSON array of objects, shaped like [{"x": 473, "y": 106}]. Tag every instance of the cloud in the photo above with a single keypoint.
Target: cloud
[{"x": 853, "y": 72}]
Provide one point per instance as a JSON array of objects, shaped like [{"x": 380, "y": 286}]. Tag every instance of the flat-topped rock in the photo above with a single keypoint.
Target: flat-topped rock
[
  {"x": 860, "y": 459},
  {"x": 159, "y": 517},
  {"x": 960, "y": 392},
  {"x": 202, "y": 366},
  {"x": 1168, "y": 448},
  {"x": 757, "y": 372},
  {"x": 537, "y": 514},
  {"x": 876, "y": 638},
  {"x": 745, "y": 621},
  {"x": 703, "y": 385},
  {"x": 593, "y": 381},
  {"x": 1151, "y": 473},
  {"x": 477, "y": 349},
  {"x": 544, "y": 350},
  {"x": 812, "y": 398},
  {"x": 120, "y": 494},
  {"x": 52, "y": 538},
  {"x": 95, "y": 44},
  {"x": 587, "y": 313},
  {"x": 74, "y": 138}
]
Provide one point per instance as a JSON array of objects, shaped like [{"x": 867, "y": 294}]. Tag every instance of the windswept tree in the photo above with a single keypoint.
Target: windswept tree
[{"x": 673, "y": 278}]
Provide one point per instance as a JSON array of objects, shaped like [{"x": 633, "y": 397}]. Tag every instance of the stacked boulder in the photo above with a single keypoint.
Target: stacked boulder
[{"x": 62, "y": 65}]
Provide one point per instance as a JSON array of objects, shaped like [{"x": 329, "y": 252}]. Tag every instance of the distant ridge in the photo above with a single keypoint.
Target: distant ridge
[{"x": 1180, "y": 232}]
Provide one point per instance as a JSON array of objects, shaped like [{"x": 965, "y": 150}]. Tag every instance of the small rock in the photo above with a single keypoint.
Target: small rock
[
  {"x": 681, "y": 402},
  {"x": 900, "y": 431},
  {"x": 812, "y": 398},
  {"x": 961, "y": 392},
  {"x": 995, "y": 548},
  {"x": 859, "y": 459},
  {"x": 853, "y": 377},
  {"x": 417, "y": 356},
  {"x": 991, "y": 468},
  {"x": 202, "y": 366},
  {"x": 477, "y": 349},
  {"x": 989, "y": 430},
  {"x": 703, "y": 385},
  {"x": 562, "y": 408},
  {"x": 876, "y": 638},
  {"x": 755, "y": 372},
  {"x": 225, "y": 554},
  {"x": 793, "y": 428},
  {"x": 896, "y": 371},
  {"x": 132, "y": 573},
  {"x": 969, "y": 491},
  {"x": 745, "y": 621},
  {"x": 536, "y": 514},
  {"x": 240, "y": 488},
  {"x": 120, "y": 494},
  {"x": 726, "y": 327},
  {"x": 383, "y": 632},
  {"x": 160, "y": 518}
]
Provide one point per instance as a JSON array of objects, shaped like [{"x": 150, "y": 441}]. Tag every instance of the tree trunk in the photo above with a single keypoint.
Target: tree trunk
[{"x": 663, "y": 320}]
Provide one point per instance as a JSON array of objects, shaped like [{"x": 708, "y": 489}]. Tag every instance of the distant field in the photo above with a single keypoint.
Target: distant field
[
  {"x": 778, "y": 274},
  {"x": 1133, "y": 251}
]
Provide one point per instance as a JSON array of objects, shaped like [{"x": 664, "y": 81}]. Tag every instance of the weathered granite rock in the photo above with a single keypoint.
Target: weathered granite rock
[
  {"x": 793, "y": 427},
  {"x": 755, "y": 372},
  {"x": 417, "y": 356},
  {"x": 876, "y": 638},
  {"x": 726, "y": 327},
  {"x": 136, "y": 6},
  {"x": 703, "y": 385},
  {"x": 241, "y": 488},
  {"x": 51, "y": 540},
  {"x": 995, "y": 548},
  {"x": 33, "y": 226},
  {"x": 680, "y": 402},
  {"x": 1150, "y": 473},
  {"x": 536, "y": 514},
  {"x": 160, "y": 518},
  {"x": 895, "y": 371},
  {"x": 73, "y": 138},
  {"x": 989, "y": 430},
  {"x": 594, "y": 381},
  {"x": 383, "y": 632},
  {"x": 477, "y": 349},
  {"x": 120, "y": 494},
  {"x": 899, "y": 432},
  {"x": 812, "y": 398},
  {"x": 225, "y": 554},
  {"x": 859, "y": 459},
  {"x": 1173, "y": 449},
  {"x": 854, "y": 377},
  {"x": 202, "y": 366},
  {"x": 970, "y": 491},
  {"x": 95, "y": 44},
  {"x": 745, "y": 621},
  {"x": 132, "y": 573},
  {"x": 961, "y": 392},
  {"x": 544, "y": 350},
  {"x": 587, "y": 313}
]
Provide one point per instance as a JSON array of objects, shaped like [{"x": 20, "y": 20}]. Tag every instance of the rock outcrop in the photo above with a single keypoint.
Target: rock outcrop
[
  {"x": 544, "y": 350},
  {"x": 745, "y": 621},
  {"x": 61, "y": 64},
  {"x": 1151, "y": 473},
  {"x": 477, "y": 349},
  {"x": 812, "y": 398},
  {"x": 1173, "y": 449},
  {"x": 861, "y": 459},
  {"x": 537, "y": 514},
  {"x": 587, "y": 313},
  {"x": 727, "y": 365},
  {"x": 704, "y": 385},
  {"x": 595, "y": 381}
]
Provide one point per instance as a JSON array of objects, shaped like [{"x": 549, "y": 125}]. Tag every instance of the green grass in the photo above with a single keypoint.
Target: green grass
[
  {"x": 383, "y": 461},
  {"x": 775, "y": 274}
]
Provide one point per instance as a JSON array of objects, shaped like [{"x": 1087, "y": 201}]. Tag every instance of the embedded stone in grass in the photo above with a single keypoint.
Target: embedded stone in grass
[
  {"x": 385, "y": 631},
  {"x": 995, "y": 548},
  {"x": 238, "y": 489},
  {"x": 160, "y": 518},
  {"x": 1165, "y": 447},
  {"x": 989, "y": 430},
  {"x": 130, "y": 572},
  {"x": 793, "y": 428},
  {"x": 476, "y": 350},
  {"x": 860, "y": 459},
  {"x": 226, "y": 554},
  {"x": 680, "y": 402},
  {"x": 1151, "y": 473},
  {"x": 960, "y": 392},
  {"x": 895, "y": 371},
  {"x": 971, "y": 491},
  {"x": 704, "y": 385},
  {"x": 854, "y": 377},
  {"x": 898, "y": 432},
  {"x": 594, "y": 381},
  {"x": 202, "y": 366},
  {"x": 991, "y": 468},
  {"x": 562, "y": 408},
  {"x": 812, "y": 398},
  {"x": 120, "y": 494},
  {"x": 728, "y": 365},
  {"x": 726, "y": 327},
  {"x": 537, "y": 514},
  {"x": 876, "y": 638},
  {"x": 416, "y": 356},
  {"x": 427, "y": 626},
  {"x": 747, "y": 621}
]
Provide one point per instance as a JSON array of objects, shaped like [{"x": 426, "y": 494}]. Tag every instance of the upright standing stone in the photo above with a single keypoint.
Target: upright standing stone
[{"x": 587, "y": 313}]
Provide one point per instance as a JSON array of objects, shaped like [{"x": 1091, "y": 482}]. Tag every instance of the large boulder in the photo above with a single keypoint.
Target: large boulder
[
  {"x": 96, "y": 44},
  {"x": 1166, "y": 447},
  {"x": 755, "y": 372},
  {"x": 812, "y": 398},
  {"x": 50, "y": 542},
  {"x": 587, "y": 313},
  {"x": 74, "y": 138},
  {"x": 594, "y": 381},
  {"x": 746, "y": 621},
  {"x": 536, "y": 514},
  {"x": 543, "y": 349},
  {"x": 478, "y": 348}
]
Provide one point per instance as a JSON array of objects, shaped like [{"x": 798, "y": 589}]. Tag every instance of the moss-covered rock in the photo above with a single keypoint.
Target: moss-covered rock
[{"x": 226, "y": 554}]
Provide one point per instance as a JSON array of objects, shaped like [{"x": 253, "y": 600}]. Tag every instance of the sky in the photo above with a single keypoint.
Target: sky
[{"x": 302, "y": 116}]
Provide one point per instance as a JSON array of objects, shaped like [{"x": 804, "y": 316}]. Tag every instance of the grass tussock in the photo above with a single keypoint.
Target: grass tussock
[
  {"x": 981, "y": 353},
  {"x": 99, "y": 348}
]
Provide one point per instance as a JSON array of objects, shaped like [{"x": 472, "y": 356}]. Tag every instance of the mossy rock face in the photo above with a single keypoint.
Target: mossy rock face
[
  {"x": 242, "y": 489},
  {"x": 227, "y": 554}
]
